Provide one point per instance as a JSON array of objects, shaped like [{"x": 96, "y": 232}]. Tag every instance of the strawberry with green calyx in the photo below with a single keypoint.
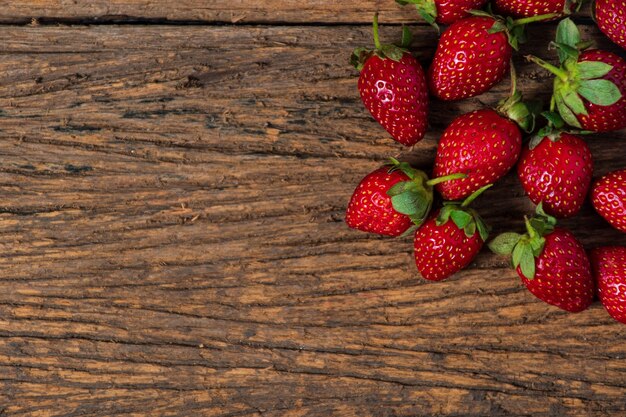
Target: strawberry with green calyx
[
  {"x": 392, "y": 85},
  {"x": 590, "y": 85},
  {"x": 450, "y": 239},
  {"x": 444, "y": 12},
  {"x": 484, "y": 144},
  {"x": 529, "y": 8},
  {"x": 556, "y": 169},
  {"x": 609, "y": 15},
  {"x": 551, "y": 262},
  {"x": 474, "y": 54},
  {"x": 392, "y": 199},
  {"x": 608, "y": 196}
]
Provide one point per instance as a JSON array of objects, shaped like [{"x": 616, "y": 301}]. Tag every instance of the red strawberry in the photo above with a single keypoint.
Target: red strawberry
[
  {"x": 393, "y": 88},
  {"x": 392, "y": 199},
  {"x": 609, "y": 270},
  {"x": 608, "y": 196},
  {"x": 444, "y": 12},
  {"x": 590, "y": 86},
  {"x": 557, "y": 170},
  {"x": 484, "y": 145},
  {"x": 551, "y": 262},
  {"x": 529, "y": 8},
  {"x": 449, "y": 240},
  {"x": 474, "y": 54},
  {"x": 611, "y": 18}
]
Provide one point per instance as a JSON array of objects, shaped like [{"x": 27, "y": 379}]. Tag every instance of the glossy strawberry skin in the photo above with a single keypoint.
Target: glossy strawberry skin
[
  {"x": 563, "y": 273},
  {"x": 370, "y": 209},
  {"x": 449, "y": 12},
  {"x": 557, "y": 174},
  {"x": 441, "y": 251},
  {"x": 481, "y": 144},
  {"x": 528, "y": 8},
  {"x": 469, "y": 61},
  {"x": 396, "y": 94},
  {"x": 606, "y": 118},
  {"x": 608, "y": 196},
  {"x": 611, "y": 18},
  {"x": 609, "y": 271}
]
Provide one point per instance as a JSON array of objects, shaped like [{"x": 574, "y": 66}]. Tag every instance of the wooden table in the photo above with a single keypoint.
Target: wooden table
[{"x": 174, "y": 176}]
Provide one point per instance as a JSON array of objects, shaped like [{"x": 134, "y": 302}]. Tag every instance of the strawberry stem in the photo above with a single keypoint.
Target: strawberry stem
[
  {"x": 543, "y": 64},
  {"x": 450, "y": 177},
  {"x": 531, "y": 231},
  {"x": 533, "y": 19},
  {"x": 474, "y": 196},
  {"x": 375, "y": 30},
  {"x": 513, "y": 79}
]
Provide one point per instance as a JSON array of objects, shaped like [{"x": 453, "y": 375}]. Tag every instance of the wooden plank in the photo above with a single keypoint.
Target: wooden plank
[
  {"x": 227, "y": 11},
  {"x": 173, "y": 242}
]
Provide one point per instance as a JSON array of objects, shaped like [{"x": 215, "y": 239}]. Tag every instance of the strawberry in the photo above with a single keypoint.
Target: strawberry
[
  {"x": 450, "y": 239},
  {"x": 474, "y": 54},
  {"x": 444, "y": 12},
  {"x": 391, "y": 199},
  {"x": 556, "y": 170},
  {"x": 608, "y": 196},
  {"x": 529, "y": 8},
  {"x": 484, "y": 145},
  {"x": 393, "y": 88},
  {"x": 551, "y": 262},
  {"x": 609, "y": 271},
  {"x": 590, "y": 86},
  {"x": 610, "y": 18}
]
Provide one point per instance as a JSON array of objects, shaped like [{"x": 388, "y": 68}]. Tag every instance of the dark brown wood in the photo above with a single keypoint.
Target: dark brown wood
[{"x": 173, "y": 240}]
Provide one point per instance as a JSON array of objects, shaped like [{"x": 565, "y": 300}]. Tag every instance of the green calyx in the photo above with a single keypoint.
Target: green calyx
[
  {"x": 383, "y": 51},
  {"x": 414, "y": 198},
  {"x": 522, "y": 113},
  {"x": 426, "y": 8},
  {"x": 514, "y": 29},
  {"x": 577, "y": 81},
  {"x": 465, "y": 218},
  {"x": 525, "y": 248}
]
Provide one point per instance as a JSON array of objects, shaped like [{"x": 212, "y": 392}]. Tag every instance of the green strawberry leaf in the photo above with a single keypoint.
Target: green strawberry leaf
[
  {"x": 537, "y": 246},
  {"x": 483, "y": 229},
  {"x": 461, "y": 218},
  {"x": 505, "y": 243},
  {"x": 539, "y": 137},
  {"x": 392, "y": 52},
  {"x": 411, "y": 230},
  {"x": 400, "y": 188},
  {"x": 407, "y": 37},
  {"x": 588, "y": 70},
  {"x": 527, "y": 262},
  {"x": 600, "y": 92},
  {"x": 426, "y": 8},
  {"x": 470, "y": 229},
  {"x": 567, "y": 33},
  {"x": 554, "y": 119},
  {"x": 574, "y": 102},
  {"x": 444, "y": 214},
  {"x": 566, "y": 51},
  {"x": 566, "y": 113},
  {"x": 409, "y": 203},
  {"x": 359, "y": 56},
  {"x": 518, "y": 251},
  {"x": 481, "y": 13}
]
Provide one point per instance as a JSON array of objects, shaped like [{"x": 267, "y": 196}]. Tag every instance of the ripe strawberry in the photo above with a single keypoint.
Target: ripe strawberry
[
  {"x": 556, "y": 169},
  {"x": 609, "y": 270},
  {"x": 391, "y": 199},
  {"x": 551, "y": 262},
  {"x": 450, "y": 239},
  {"x": 590, "y": 86},
  {"x": 484, "y": 145},
  {"x": 444, "y": 12},
  {"x": 529, "y": 8},
  {"x": 393, "y": 88},
  {"x": 474, "y": 54},
  {"x": 610, "y": 19},
  {"x": 608, "y": 196}
]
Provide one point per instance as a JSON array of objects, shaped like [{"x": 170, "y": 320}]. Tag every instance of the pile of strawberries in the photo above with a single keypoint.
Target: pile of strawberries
[{"x": 555, "y": 166}]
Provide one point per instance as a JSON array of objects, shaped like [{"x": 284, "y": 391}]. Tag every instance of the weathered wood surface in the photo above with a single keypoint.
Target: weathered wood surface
[{"x": 173, "y": 243}]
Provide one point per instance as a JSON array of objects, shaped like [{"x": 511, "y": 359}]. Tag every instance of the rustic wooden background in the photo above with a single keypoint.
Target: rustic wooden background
[{"x": 174, "y": 176}]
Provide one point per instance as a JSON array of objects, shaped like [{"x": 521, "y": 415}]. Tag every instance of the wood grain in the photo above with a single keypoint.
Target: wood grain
[{"x": 173, "y": 240}]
